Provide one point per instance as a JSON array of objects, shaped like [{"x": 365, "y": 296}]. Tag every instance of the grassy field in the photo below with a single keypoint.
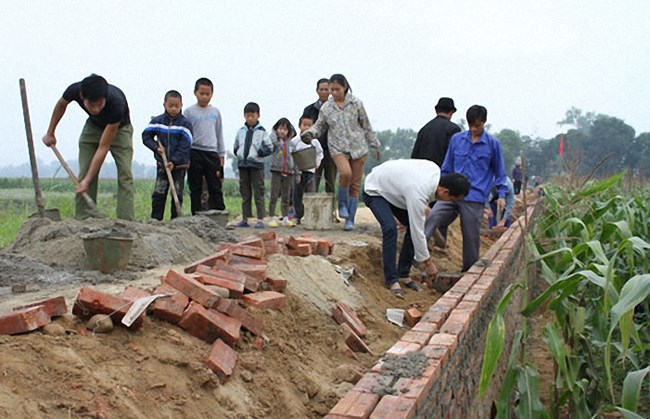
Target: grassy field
[{"x": 17, "y": 201}]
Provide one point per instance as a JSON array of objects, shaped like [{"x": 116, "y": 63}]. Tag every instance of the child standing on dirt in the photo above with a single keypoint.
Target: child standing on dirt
[
  {"x": 281, "y": 171},
  {"x": 252, "y": 144},
  {"x": 169, "y": 134},
  {"x": 208, "y": 150},
  {"x": 305, "y": 180}
]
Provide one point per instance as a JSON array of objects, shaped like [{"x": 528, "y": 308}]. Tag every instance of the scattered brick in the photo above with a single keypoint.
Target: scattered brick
[
  {"x": 243, "y": 250},
  {"x": 254, "y": 241},
  {"x": 312, "y": 242},
  {"x": 242, "y": 272},
  {"x": 248, "y": 322},
  {"x": 353, "y": 341},
  {"x": 221, "y": 360},
  {"x": 209, "y": 325},
  {"x": 23, "y": 321},
  {"x": 235, "y": 289},
  {"x": 171, "y": 308},
  {"x": 276, "y": 283},
  {"x": 266, "y": 235},
  {"x": 412, "y": 316},
  {"x": 192, "y": 288},
  {"x": 54, "y": 306},
  {"x": 222, "y": 255},
  {"x": 302, "y": 249},
  {"x": 90, "y": 302},
  {"x": 324, "y": 247},
  {"x": 342, "y": 313},
  {"x": 266, "y": 300},
  {"x": 242, "y": 260},
  {"x": 133, "y": 293},
  {"x": 222, "y": 271}
]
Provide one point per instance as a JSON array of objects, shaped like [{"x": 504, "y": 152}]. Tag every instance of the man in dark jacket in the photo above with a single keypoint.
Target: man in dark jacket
[
  {"x": 431, "y": 144},
  {"x": 327, "y": 168}
]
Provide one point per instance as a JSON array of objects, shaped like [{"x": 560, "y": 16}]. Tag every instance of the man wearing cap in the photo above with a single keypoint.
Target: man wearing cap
[
  {"x": 431, "y": 144},
  {"x": 433, "y": 139}
]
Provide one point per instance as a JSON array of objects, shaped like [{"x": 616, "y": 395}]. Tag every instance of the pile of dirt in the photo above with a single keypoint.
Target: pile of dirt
[{"x": 158, "y": 371}]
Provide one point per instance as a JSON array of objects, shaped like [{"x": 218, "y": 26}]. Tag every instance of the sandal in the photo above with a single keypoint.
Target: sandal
[
  {"x": 410, "y": 284},
  {"x": 397, "y": 292}
]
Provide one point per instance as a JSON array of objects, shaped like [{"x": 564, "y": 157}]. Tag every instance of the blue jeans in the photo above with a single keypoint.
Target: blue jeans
[{"x": 386, "y": 213}]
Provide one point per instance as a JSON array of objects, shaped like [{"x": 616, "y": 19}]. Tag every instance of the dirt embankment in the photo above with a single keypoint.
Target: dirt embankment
[{"x": 158, "y": 371}]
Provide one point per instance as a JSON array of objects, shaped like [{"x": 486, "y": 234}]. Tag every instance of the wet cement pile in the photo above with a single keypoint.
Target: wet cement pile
[{"x": 52, "y": 252}]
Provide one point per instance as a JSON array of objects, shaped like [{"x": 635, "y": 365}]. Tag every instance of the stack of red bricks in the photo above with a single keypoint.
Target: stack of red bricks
[{"x": 204, "y": 299}]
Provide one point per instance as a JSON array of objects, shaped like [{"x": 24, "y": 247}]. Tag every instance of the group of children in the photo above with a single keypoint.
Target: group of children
[{"x": 193, "y": 142}]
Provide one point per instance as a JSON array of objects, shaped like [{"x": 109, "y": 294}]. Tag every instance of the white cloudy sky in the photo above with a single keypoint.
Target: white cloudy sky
[{"x": 527, "y": 62}]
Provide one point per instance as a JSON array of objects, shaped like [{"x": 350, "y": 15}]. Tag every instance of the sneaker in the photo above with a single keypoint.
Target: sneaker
[
  {"x": 273, "y": 222},
  {"x": 259, "y": 224},
  {"x": 242, "y": 223},
  {"x": 286, "y": 222}
]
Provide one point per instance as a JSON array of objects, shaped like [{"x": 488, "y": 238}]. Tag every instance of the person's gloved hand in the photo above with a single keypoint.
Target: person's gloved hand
[{"x": 306, "y": 137}]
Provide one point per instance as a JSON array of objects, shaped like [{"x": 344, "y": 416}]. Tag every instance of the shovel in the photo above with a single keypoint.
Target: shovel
[
  {"x": 172, "y": 186},
  {"x": 52, "y": 214},
  {"x": 89, "y": 201}
]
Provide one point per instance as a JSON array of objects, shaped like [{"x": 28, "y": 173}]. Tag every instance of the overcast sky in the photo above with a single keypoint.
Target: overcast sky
[{"x": 527, "y": 62}]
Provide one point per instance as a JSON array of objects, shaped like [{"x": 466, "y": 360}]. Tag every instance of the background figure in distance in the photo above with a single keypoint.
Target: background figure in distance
[
  {"x": 402, "y": 190},
  {"x": 108, "y": 128},
  {"x": 349, "y": 135},
  {"x": 327, "y": 168},
  {"x": 431, "y": 144},
  {"x": 517, "y": 175},
  {"x": 477, "y": 155}
]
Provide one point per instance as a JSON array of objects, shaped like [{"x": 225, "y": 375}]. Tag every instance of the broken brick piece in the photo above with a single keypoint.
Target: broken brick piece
[
  {"x": 248, "y": 322},
  {"x": 133, "y": 293},
  {"x": 244, "y": 250},
  {"x": 276, "y": 283},
  {"x": 312, "y": 242},
  {"x": 241, "y": 272},
  {"x": 221, "y": 360},
  {"x": 169, "y": 309},
  {"x": 90, "y": 302},
  {"x": 302, "y": 249},
  {"x": 342, "y": 313},
  {"x": 266, "y": 235},
  {"x": 265, "y": 299},
  {"x": 209, "y": 325},
  {"x": 23, "y": 321},
  {"x": 324, "y": 248},
  {"x": 54, "y": 306},
  {"x": 192, "y": 288},
  {"x": 353, "y": 340},
  {"x": 252, "y": 241},
  {"x": 412, "y": 316}
]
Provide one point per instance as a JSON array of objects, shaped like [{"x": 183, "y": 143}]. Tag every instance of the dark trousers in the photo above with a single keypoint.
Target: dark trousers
[
  {"x": 306, "y": 185},
  {"x": 386, "y": 213},
  {"x": 517, "y": 185},
  {"x": 471, "y": 215},
  {"x": 280, "y": 188},
  {"x": 159, "y": 195},
  {"x": 327, "y": 169},
  {"x": 205, "y": 164},
  {"x": 251, "y": 184},
  {"x": 492, "y": 221}
]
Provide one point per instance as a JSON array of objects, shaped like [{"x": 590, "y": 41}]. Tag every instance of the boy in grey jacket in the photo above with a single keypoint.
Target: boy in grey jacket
[{"x": 252, "y": 144}]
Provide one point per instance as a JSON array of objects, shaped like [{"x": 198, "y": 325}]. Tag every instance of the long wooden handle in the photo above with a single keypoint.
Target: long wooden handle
[
  {"x": 30, "y": 146},
  {"x": 73, "y": 177},
  {"x": 172, "y": 186}
]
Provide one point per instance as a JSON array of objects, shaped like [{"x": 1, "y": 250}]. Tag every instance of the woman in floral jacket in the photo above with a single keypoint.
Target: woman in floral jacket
[{"x": 349, "y": 135}]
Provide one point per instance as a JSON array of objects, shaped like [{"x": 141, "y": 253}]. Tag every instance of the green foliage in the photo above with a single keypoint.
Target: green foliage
[
  {"x": 592, "y": 249},
  {"x": 394, "y": 145}
]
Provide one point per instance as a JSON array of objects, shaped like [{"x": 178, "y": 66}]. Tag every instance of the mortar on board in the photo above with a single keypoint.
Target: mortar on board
[
  {"x": 220, "y": 217},
  {"x": 108, "y": 251}
]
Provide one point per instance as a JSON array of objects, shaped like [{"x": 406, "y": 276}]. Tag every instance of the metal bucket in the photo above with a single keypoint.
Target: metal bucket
[
  {"x": 318, "y": 211},
  {"x": 305, "y": 159},
  {"x": 108, "y": 253},
  {"x": 220, "y": 217}
]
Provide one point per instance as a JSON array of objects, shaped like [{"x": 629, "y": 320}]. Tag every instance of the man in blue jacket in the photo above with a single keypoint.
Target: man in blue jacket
[{"x": 478, "y": 156}]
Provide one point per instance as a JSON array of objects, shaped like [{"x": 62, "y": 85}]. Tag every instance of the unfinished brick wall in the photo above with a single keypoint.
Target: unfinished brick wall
[{"x": 452, "y": 335}]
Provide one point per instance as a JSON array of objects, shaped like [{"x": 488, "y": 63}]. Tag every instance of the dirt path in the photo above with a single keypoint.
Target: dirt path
[{"x": 158, "y": 371}]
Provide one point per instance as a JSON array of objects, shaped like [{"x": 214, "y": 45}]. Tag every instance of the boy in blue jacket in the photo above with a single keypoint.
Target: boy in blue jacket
[
  {"x": 252, "y": 144},
  {"x": 169, "y": 133}
]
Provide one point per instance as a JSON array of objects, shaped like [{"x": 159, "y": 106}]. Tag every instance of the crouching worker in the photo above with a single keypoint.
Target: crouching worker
[
  {"x": 402, "y": 190},
  {"x": 169, "y": 134}
]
